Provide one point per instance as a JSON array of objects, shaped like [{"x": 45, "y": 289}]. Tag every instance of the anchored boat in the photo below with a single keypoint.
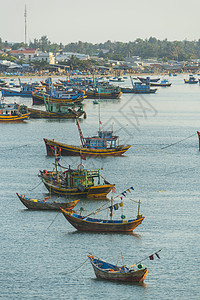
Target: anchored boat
[
  {"x": 13, "y": 112},
  {"x": 75, "y": 182},
  {"x": 191, "y": 80},
  {"x": 86, "y": 223},
  {"x": 58, "y": 110},
  {"x": 104, "y": 144},
  {"x": 105, "y": 270},
  {"x": 44, "y": 204}
]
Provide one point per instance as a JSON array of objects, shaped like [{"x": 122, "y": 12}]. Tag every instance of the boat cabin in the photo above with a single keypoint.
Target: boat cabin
[
  {"x": 104, "y": 140},
  {"x": 9, "y": 109},
  {"x": 63, "y": 108},
  {"x": 82, "y": 178}
]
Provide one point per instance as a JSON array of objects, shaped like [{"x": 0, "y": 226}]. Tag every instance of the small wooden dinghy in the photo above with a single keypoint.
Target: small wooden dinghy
[
  {"x": 123, "y": 273},
  {"x": 37, "y": 204},
  {"x": 108, "y": 271}
]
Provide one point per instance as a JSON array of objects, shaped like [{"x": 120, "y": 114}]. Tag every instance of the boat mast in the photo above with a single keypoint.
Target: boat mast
[
  {"x": 80, "y": 133},
  {"x": 99, "y": 117},
  {"x": 132, "y": 81}
]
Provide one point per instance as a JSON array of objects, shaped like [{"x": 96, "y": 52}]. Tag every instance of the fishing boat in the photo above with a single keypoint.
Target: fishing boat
[
  {"x": 13, "y": 112},
  {"x": 103, "y": 93},
  {"x": 148, "y": 79},
  {"x": 116, "y": 79},
  {"x": 2, "y": 83},
  {"x": 58, "y": 110},
  {"x": 163, "y": 83},
  {"x": 64, "y": 98},
  {"x": 138, "y": 88},
  {"x": 105, "y": 270},
  {"x": 191, "y": 80},
  {"x": 87, "y": 223},
  {"x": 104, "y": 144},
  {"x": 75, "y": 182},
  {"x": 44, "y": 204},
  {"x": 57, "y": 95},
  {"x": 25, "y": 90}
]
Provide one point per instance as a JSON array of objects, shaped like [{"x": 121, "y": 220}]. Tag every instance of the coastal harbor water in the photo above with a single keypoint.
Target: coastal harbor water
[{"x": 36, "y": 260}]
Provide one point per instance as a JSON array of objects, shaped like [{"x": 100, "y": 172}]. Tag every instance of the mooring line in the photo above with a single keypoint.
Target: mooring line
[{"x": 178, "y": 141}]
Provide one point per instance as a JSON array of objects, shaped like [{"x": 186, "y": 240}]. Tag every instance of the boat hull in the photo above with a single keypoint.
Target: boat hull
[
  {"x": 69, "y": 150},
  {"x": 135, "y": 276},
  {"x": 10, "y": 118},
  {"x": 105, "y": 270},
  {"x": 40, "y": 114},
  {"x": 138, "y": 91},
  {"x": 99, "y": 191},
  {"x": 160, "y": 84},
  {"x": 101, "y": 225},
  {"x": 94, "y": 95},
  {"x": 39, "y": 99},
  {"x": 10, "y": 93},
  {"x": 43, "y": 205},
  {"x": 190, "y": 81}
]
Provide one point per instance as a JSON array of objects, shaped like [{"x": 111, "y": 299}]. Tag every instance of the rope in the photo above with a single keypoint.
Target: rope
[
  {"x": 35, "y": 186},
  {"x": 16, "y": 147},
  {"x": 178, "y": 141},
  {"x": 77, "y": 267},
  {"x": 53, "y": 220}
]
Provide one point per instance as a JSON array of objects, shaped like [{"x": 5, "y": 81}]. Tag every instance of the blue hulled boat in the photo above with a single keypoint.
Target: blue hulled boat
[{"x": 25, "y": 90}]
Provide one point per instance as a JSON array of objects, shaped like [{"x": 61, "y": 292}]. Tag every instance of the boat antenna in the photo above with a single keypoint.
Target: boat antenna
[{"x": 25, "y": 15}]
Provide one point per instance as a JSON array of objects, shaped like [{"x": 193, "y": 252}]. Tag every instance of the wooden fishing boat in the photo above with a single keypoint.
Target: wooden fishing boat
[
  {"x": 37, "y": 204},
  {"x": 102, "y": 94},
  {"x": 138, "y": 88},
  {"x": 38, "y": 98},
  {"x": 148, "y": 79},
  {"x": 25, "y": 90},
  {"x": 116, "y": 79},
  {"x": 13, "y": 112},
  {"x": 70, "y": 150},
  {"x": 55, "y": 110},
  {"x": 191, "y": 80},
  {"x": 75, "y": 182},
  {"x": 41, "y": 114},
  {"x": 84, "y": 223},
  {"x": 163, "y": 83},
  {"x": 108, "y": 271},
  {"x": 105, "y": 144}
]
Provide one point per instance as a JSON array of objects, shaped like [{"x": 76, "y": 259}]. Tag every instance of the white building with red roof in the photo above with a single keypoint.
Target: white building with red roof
[{"x": 24, "y": 53}]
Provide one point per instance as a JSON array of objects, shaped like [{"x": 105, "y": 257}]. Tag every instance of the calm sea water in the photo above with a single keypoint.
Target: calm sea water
[{"x": 36, "y": 259}]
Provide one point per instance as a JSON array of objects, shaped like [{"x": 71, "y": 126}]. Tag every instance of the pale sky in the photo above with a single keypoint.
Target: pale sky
[{"x": 98, "y": 21}]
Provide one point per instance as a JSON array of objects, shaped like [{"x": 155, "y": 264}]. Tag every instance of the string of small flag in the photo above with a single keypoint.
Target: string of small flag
[{"x": 124, "y": 193}]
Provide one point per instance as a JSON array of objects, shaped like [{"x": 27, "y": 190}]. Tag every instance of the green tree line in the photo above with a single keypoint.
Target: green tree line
[{"x": 145, "y": 48}]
